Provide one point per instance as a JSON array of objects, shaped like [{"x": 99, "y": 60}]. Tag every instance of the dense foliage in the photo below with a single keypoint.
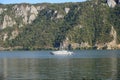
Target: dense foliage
[{"x": 114, "y": 18}]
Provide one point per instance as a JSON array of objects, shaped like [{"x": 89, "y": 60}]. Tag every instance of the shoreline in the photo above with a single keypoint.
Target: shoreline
[{"x": 40, "y": 49}]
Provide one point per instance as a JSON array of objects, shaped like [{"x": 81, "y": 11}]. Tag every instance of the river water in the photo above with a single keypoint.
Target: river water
[{"x": 41, "y": 65}]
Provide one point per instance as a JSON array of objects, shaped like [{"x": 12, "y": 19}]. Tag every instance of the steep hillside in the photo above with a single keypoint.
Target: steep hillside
[{"x": 84, "y": 25}]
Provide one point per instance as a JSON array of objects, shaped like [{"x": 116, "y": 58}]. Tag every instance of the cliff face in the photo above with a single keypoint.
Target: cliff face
[
  {"x": 76, "y": 25},
  {"x": 12, "y": 15}
]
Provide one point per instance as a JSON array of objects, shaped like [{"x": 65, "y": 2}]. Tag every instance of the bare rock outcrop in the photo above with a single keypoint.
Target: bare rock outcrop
[
  {"x": 33, "y": 14},
  {"x": 110, "y": 45},
  {"x": 67, "y": 10},
  {"x": 14, "y": 34},
  {"x": 8, "y": 22},
  {"x": 113, "y": 43},
  {"x": 1, "y": 10},
  {"x": 67, "y": 43},
  {"x": 111, "y": 3},
  {"x": 5, "y": 37},
  {"x": 27, "y": 12},
  {"x": 59, "y": 16}
]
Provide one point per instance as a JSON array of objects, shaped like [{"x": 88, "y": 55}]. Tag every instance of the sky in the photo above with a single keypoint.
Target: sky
[{"x": 37, "y": 1}]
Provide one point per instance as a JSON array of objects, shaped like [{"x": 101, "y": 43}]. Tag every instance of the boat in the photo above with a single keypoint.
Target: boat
[{"x": 61, "y": 52}]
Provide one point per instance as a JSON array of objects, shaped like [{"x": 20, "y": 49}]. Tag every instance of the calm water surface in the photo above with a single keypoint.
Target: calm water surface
[{"x": 41, "y": 65}]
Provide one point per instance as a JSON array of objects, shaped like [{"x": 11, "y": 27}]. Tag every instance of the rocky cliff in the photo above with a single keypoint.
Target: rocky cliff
[{"x": 77, "y": 25}]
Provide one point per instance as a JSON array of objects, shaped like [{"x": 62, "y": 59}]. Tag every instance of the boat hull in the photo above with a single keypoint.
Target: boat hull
[{"x": 62, "y": 52}]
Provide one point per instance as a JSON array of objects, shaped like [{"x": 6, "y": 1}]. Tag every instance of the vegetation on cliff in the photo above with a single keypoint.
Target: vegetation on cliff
[{"x": 84, "y": 22}]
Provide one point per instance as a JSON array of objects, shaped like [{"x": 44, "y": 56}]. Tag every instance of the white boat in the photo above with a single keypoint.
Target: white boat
[{"x": 61, "y": 52}]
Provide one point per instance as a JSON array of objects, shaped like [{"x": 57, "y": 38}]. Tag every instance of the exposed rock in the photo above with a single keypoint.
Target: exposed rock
[
  {"x": 100, "y": 46},
  {"x": 111, "y": 3},
  {"x": 33, "y": 14},
  {"x": 55, "y": 12},
  {"x": 84, "y": 45},
  {"x": 110, "y": 45},
  {"x": 56, "y": 15},
  {"x": 67, "y": 10},
  {"x": 14, "y": 34},
  {"x": 21, "y": 25},
  {"x": 113, "y": 43},
  {"x": 31, "y": 18},
  {"x": 75, "y": 45},
  {"x": 33, "y": 10},
  {"x": 28, "y": 12},
  {"x": 59, "y": 16},
  {"x": 7, "y": 22},
  {"x": 5, "y": 37},
  {"x": 39, "y": 8},
  {"x": 5, "y": 9},
  {"x": 10, "y": 48},
  {"x": 67, "y": 43},
  {"x": 1, "y": 10},
  {"x": 21, "y": 10}
]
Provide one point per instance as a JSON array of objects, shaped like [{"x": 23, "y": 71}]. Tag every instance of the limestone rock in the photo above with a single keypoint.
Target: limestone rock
[
  {"x": 33, "y": 14},
  {"x": 8, "y": 21},
  {"x": 111, "y": 3},
  {"x": 5, "y": 37},
  {"x": 55, "y": 12},
  {"x": 59, "y": 16},
  {"x": 1, "y": 10},
  {"x": 109, "y": 45},
  {"x": 67, "y": 43},
  {"x": 113, "y": 43},
  {"x": 67, "y": 10},
  {"x": 14, "y": 34},
  {"x": 84, "y": 45},
  {"x": 28, "y": 12},
  {"x": 39, "y": 8},
  {"x": 21, "y": 11},
  {"x": 100, "y": 46}
]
